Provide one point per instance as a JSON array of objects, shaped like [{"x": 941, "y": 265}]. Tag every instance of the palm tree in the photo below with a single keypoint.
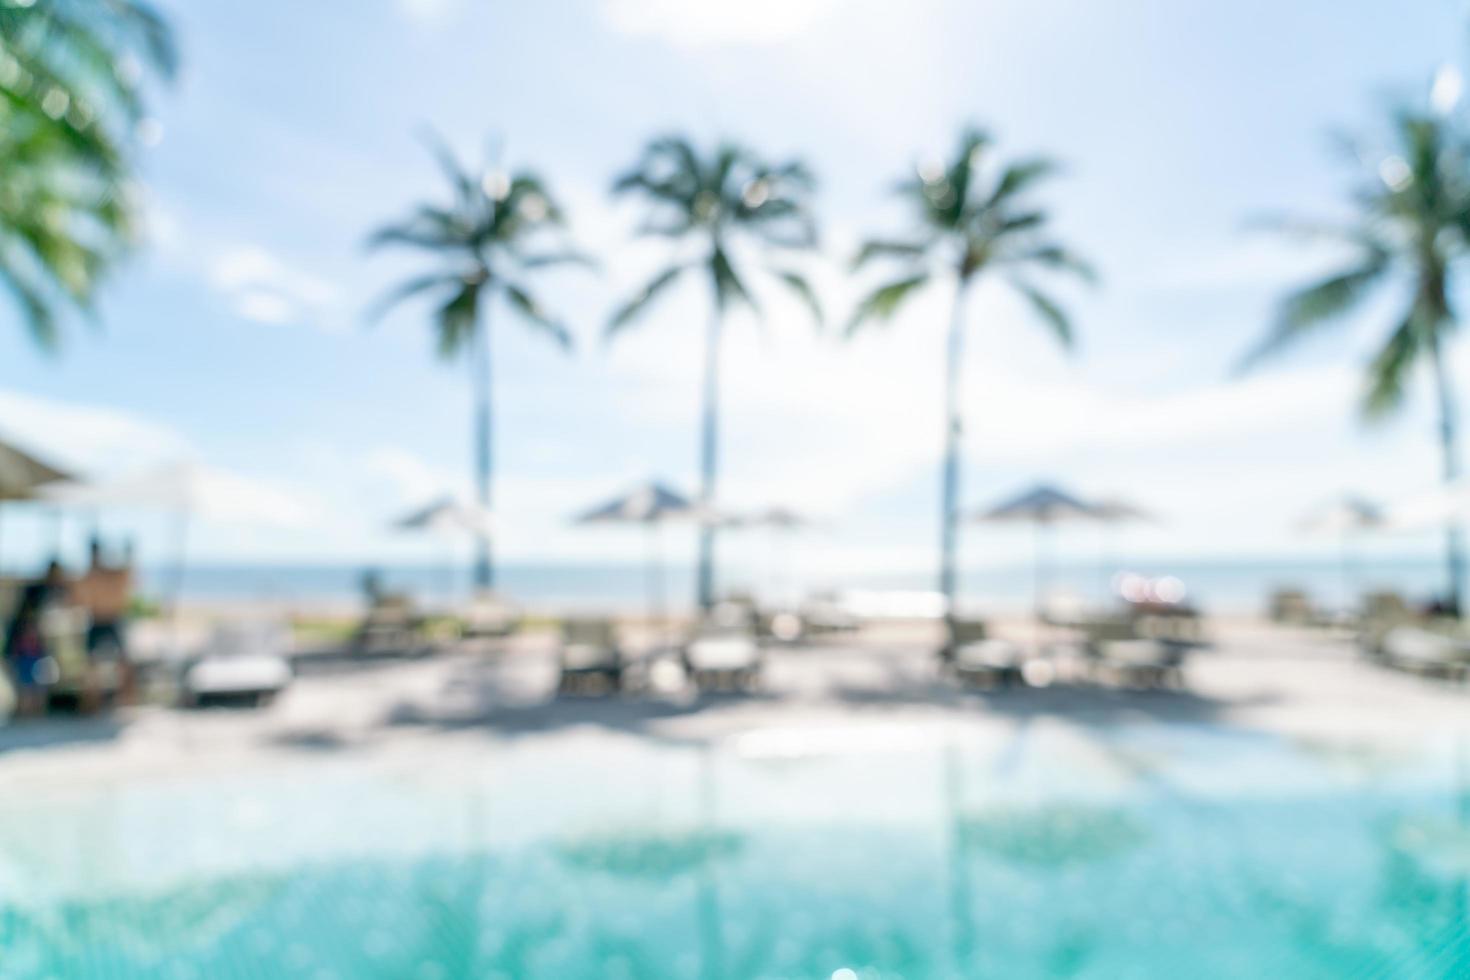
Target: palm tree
[
  {"x": 722, "y": 202},
  {"x": 496, "y": 230},
  {"x": 72, "y": 99},
  {"x": 973, "y": 219},
  {"x": 1412, "y": 223}
]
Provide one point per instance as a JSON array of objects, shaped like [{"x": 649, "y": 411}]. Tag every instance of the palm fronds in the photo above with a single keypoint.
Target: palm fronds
[
  {"x": 72, "y": 95},
  {"x": 496, "y": 228},
  {"x": 719, "y": 198},
  {"x": 973, "y": 216}
]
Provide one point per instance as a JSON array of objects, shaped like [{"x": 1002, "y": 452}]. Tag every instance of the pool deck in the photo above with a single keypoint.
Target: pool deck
[{"x": 839, "y": 695}]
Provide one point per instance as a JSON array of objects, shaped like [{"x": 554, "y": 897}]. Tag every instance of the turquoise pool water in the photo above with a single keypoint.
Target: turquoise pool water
[{"x": 1050, "y": 853}]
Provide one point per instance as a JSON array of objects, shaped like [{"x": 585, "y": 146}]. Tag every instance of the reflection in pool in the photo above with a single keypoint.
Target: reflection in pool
[{"x": 1157, "y": 853}]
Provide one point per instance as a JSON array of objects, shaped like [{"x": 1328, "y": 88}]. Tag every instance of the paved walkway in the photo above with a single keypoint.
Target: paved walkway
[{"x": 833, "y": 695}]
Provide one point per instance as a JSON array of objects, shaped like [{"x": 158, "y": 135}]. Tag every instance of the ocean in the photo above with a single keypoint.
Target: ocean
[{"x": 1219, "y": 585}]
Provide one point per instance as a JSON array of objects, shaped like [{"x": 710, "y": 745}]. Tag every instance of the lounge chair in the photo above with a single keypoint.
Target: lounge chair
[
  {"x": 242, "y": 663},
  {"x": 824, "y": 613},
  {"x": 978, "y": 659},
  {"x": 724, "y": 654},
  {"x": 391, "y": 626},
  {"x": 1383, "y": 612},
  {"x": 1116, "y": 651},
  {"x": 1425, "y": 652},
  {"x": 488, "y": 614},
  {"x": 1291, "y": 606},
  {"x": 590, "y": 660}
]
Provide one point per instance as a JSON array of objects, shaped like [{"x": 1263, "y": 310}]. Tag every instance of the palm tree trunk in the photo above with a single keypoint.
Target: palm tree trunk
[
  {"x": 484, "y": 562},
  {"x": 950, "y": 491},
  {"x": 709, "y": 459},
  {"x": 1449, "y": 452}
]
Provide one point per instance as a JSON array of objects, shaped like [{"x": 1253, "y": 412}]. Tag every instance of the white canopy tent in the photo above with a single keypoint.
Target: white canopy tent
[
  {"x": 188, "y": 491},
  {"x": 25, "y": 477}
]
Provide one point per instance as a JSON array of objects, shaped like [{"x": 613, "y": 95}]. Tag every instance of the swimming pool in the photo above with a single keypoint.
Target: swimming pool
[{"x": 1154, "y": 851}]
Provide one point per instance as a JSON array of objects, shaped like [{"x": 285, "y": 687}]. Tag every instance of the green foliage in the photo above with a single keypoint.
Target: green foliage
[
  {"x": 1410, "y": 223},
  {"x": 884, "y": 301},
  {"x": 726, "y": 196},
  {"x": 497, "y": 229},
  {"x": 73, "y": 77},
  {"x": 142, "y": 607},
  {"x": 971, "y": 218}
]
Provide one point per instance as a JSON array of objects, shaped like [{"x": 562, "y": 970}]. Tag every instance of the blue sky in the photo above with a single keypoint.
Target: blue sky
[{"x": 237, "y": 338}]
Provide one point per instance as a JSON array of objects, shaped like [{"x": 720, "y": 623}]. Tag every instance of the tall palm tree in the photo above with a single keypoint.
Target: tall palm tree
[
  {"x": 974, "y": 219},
  {"x": 496, "y": 230},
  {"x": 730, "y": 206},
  {"x": 1411, "y": 226},
  {"x": 73, "y": 79}
]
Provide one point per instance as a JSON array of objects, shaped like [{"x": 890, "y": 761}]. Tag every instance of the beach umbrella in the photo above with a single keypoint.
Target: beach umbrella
[
  {"x": 1345, "y": 517},
  {"x": 1113, "y": 512},
  {"x": 22, "y": 475},
  {"x": 1444, "y": 508},
  {"x": 775, "y": 517},
  {"x": 1432, "y": 510},
  {"x": 781, "y": 522},
  {"x": 1346, "y": 514},
  {"x": 650, "y": 505},
  {"x": 449, "y": 517},
  {"x": 1043, "y": 506},
  {"x": 452, "y": 519},
  {"x": 1116, "y": 510}
]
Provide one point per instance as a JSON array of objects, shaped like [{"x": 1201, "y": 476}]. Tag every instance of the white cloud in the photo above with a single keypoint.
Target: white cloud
[
  {"x": 1250, "y": 261},
  {"x": 262, "y": 287},
  {"x": 412, "y": 480},
  {"x": 234, "y": 498},
  {"x": 111, "y": 446},
  {"x": 90, "y": 438},
  {"x": 698, "y": 22}
]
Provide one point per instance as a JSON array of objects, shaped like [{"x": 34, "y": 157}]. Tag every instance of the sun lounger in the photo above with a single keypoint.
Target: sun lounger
[
  {"x": 242, "y": 663},
  {"x": 392, "y": 626},
  {"x": 825, "y": 614},
  {"x": 489, "y": 615},
  {"x": 1426, "y": 652},
  {"x": 1291, "y": 606},
  {"x": 978, "y": 659},
  {"x": 1383, "y": 612},
  {"x": 1117, "y": 652},
  {"x": 591, "y": 661},
  {"x": 725, "y": 652}
]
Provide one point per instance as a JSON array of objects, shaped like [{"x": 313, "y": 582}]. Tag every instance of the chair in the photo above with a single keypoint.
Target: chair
[
  {"x": 488, "y": 614},
  {"x": 1425, "y": 652},
  {"x": 823, "y": 613},
  {"x": 725, "y": 652},
  {"x": 1117, "y": 651},
  {"x": 977, "y": 658},
  {"x": 1383, "y": 612},
  {"x": 391, "y": 626},
  {"x": 1291, "y": 606},
  {"x": 243, "y": 663},
  {"x": 591, "y": 662}
]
